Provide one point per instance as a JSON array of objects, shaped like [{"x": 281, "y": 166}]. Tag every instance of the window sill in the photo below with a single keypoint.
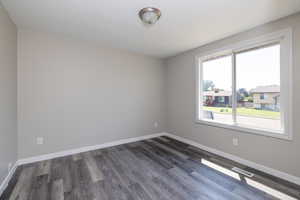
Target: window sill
[{"x": 243, "y": 129}]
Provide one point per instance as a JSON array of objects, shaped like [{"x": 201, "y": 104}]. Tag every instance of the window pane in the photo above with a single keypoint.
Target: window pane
[
  {"x": 217, "y": 89},
  {"x": 258, "y": 88}
]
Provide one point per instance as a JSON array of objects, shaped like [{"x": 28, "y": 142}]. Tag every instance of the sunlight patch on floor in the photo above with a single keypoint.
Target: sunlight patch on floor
[{"x": 269, "y": 190}]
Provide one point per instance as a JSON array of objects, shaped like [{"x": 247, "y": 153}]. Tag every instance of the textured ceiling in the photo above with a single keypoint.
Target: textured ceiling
[{"x": 184, "y": 24}]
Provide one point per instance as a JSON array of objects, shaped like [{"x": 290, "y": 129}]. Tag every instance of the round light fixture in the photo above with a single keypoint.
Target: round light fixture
[{"x": 149, "y": 15}]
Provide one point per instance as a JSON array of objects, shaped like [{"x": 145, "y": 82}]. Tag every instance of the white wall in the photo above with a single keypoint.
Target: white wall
[
  {"x": 275, "y": 153},
  {"x": 8, "y": 93},
  {"x": 76, "y": 94}
]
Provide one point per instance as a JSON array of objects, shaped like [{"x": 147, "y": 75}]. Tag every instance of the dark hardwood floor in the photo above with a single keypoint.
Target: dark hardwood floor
[{"x": 157, "y": 169}]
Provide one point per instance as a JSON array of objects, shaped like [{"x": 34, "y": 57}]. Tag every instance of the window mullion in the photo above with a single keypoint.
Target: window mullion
[
  {"x": 200, "y": 90},
  {"x": 234, "y": 96}
]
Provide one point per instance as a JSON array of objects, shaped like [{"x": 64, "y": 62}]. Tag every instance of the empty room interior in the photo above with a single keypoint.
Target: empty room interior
[{"x": 149, "y": 100}]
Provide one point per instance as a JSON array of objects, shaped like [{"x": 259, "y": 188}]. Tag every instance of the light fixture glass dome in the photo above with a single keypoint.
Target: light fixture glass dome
[{"x": 150, "y": 15}]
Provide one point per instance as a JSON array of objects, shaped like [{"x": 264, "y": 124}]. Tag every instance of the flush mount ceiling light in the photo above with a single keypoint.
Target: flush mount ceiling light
[{"x": 149, "y": 15}]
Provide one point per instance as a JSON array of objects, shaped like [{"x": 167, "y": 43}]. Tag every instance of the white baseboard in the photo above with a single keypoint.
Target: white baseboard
[
  {"x": 248, "y": 163},
  {"x": 5, "y": 182},
  {"x": 84, "y": 149},
  {"x": 254, "y": 165},
  {"x": 70, "y": 152}
]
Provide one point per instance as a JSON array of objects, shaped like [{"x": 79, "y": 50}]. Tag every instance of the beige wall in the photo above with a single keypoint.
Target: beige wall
[
  {"x": 76, "y": 94},
  {"x": 269, "y": 100},
  {"x": 8, "y": 94},
  {"x": 275, "y": 153}
]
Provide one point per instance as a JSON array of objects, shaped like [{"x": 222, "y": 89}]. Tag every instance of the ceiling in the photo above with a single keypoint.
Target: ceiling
[{"x": 185, "y": 24}]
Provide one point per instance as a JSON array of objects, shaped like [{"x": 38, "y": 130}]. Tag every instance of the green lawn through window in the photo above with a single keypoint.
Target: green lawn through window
[{"x": 245, "y": 112}]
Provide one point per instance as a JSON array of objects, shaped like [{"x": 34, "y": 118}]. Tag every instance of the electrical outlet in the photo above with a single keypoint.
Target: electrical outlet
[
  {"x": 39, "y": 140},
  {"x": 235, "y": 141},
  {"x": 155, "y": 124}
]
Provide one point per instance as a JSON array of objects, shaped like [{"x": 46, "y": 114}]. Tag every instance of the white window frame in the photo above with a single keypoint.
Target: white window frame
[{"x": 285, "y": 38}]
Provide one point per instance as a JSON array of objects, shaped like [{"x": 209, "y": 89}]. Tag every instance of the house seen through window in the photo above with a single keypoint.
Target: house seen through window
[{"x": 243, "y": 88}]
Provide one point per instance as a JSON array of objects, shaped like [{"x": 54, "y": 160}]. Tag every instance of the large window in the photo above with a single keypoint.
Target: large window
[{"x": 247, "y": 86}]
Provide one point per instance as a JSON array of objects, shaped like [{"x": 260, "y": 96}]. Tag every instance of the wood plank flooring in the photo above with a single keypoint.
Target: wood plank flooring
[{"x": 156, "y": 169}]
